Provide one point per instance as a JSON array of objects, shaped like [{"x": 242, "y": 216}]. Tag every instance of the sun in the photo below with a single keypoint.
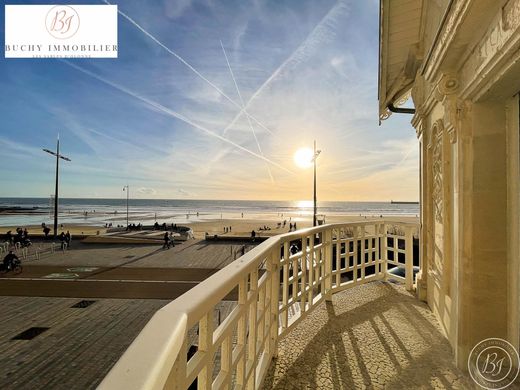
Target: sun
[{"x": 303, "y": 157}]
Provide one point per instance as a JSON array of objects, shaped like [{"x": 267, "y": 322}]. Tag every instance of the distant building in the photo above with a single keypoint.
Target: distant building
[{"x": 460, "y": 60}]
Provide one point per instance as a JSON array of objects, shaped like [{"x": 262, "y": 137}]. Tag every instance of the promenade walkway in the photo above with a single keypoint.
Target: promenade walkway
[
  {"x": 121, "y": 271},
  {"x": 81, "y": 344},
  {"x": 79, "y": 347}
]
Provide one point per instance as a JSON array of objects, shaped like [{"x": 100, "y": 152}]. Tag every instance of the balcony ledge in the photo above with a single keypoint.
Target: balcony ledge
[{"x": 376, "y": 335}]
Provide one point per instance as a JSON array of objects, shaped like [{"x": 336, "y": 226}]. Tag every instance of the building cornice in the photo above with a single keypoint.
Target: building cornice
[
  {"x": 490, "y": 58},
  {"x": 456, "y": 12}
]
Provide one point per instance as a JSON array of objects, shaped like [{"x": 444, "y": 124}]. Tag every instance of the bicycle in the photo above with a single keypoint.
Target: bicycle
[{"x": 15, "y": 267}]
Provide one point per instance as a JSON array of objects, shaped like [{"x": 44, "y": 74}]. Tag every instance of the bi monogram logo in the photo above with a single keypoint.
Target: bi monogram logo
[
  {"x": 62, "y": 21},
  {"x": 493, "y": 364}
]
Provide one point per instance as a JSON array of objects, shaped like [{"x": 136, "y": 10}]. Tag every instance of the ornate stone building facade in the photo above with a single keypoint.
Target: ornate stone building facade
[{"x": 460, "y": 60}]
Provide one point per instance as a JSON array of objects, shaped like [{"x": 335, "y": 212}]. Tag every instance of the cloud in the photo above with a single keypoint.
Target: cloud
[
  {"x": 175, "y": 9},
  {"x": 174, "y": 114},
  {"x": 146, "y": 191},
  {"x": 322, "y": 33},
  {"x": 189, "y": 66},
  {"x": 185, "y": 194},
  {"x": 147, "y": 120}
]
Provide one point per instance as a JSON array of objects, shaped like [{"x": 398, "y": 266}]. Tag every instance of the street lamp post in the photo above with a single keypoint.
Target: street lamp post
[
  {"x": 314, "y": 158},
  {"x": 58, "y": 156},
  {"x": 127, "y": 189}
]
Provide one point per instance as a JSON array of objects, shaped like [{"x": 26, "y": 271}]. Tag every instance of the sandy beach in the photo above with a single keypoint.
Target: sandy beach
[{"x": 239, "y": 226}]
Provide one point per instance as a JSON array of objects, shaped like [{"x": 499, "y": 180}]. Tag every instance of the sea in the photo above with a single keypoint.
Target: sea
[{"x": 98, "y": 212}]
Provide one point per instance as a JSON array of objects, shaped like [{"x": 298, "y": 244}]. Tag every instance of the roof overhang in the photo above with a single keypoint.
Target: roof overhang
[{"x": 400, "y": 54}]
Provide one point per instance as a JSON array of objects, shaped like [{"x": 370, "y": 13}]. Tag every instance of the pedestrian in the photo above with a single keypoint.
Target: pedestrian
[
  {"x": 166, "y": 239},
  {"x": 172, "y": 243},
  {"x": 61, "y": 237},
  {"x": 253, "y": 235},
  {"x": 9, "y": 237},
  {"x": 68, "y": 239}
]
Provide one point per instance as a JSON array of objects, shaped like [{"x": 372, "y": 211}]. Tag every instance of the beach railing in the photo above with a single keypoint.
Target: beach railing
[{"x": 274, "y": 285}]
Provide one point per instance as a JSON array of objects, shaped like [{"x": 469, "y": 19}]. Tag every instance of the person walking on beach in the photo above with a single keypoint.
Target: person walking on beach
[
  {"x": 253, "y": 235},
  {"x": 166, "y": 239},
  {"x": 170, "y": 240}
]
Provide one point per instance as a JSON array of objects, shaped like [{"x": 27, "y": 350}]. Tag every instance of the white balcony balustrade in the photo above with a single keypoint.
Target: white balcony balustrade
[{"x": 274, "y": 285}]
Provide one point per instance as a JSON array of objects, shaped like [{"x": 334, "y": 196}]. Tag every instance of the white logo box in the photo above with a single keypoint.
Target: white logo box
[{"x": 60, "y": 31}]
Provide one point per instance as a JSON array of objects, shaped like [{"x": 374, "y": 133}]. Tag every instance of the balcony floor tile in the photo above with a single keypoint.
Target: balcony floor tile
[{"x": 372, "y": 336}]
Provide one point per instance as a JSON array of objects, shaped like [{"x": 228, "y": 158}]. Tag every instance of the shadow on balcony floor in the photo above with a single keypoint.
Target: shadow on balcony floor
[{"x": 372, "y": 336}]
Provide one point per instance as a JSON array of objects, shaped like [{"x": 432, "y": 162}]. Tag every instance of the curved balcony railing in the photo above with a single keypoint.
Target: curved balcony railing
[{"x": 274, "y": 286}]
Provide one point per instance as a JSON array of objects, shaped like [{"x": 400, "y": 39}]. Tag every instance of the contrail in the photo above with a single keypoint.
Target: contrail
[
  {"x": 138, "y": 26},
  {"x": 318, "y": 33},
  {"x": 172, "y": 113},
  {"x": 407, "y": 154},
  {"x": 242, "y": 103}
]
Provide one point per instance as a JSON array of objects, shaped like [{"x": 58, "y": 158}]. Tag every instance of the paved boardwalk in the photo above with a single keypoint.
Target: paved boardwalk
[
  {"x": 121, "y": 271},
  {"x": 189, "y": 254},
  {"x": 375, "y": 336},
  {"x": 80, "y": 346},
  {"x": 78, "y": 349}
]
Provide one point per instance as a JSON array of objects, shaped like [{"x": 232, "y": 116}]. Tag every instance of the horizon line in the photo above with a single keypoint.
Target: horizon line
[{"x": 209, "y": 199}]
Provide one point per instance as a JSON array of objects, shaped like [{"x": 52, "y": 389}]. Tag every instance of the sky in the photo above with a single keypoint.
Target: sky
[{"x": 167, "y": 116}]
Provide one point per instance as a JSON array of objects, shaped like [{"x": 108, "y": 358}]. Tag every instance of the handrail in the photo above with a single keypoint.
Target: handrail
[{"x": 150, "y": 361}]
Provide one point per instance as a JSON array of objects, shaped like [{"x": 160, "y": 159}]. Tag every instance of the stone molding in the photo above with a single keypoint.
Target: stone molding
[
  {"x": 488, "y": 59},
  {"x": 448, "y": 33}
]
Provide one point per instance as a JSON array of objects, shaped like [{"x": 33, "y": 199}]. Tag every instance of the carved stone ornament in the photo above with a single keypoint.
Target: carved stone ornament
[
  {"x": 403, "y": 99},
  {"x": 451, "y": 117},
  {"x": 449, "y": 85},
  {"x": 436, "y": 135},
  {"x": 446, "y": 92},
  {"x": 385, "y": 115}
]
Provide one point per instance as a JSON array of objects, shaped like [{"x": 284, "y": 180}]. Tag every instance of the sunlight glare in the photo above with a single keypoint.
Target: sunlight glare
[
  {"x": 304, "y": 204},
  {"x": 303, "y": 157}
]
